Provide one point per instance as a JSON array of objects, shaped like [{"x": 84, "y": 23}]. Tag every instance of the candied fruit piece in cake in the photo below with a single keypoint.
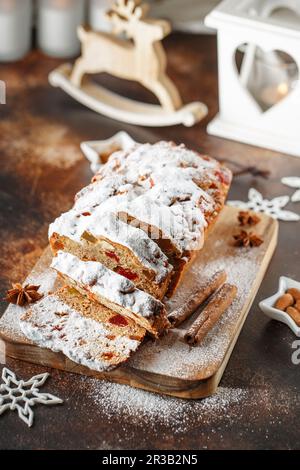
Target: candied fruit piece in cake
[{"x": 114, "y": 291}]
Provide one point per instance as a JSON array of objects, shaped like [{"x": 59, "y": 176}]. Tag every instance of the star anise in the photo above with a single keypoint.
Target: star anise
[
  {"x": 20, "y": 295},
  {"x": 245, "y": 239},
  {"x": 255, "y": 240},
  {"x": 248, "y": 218}
]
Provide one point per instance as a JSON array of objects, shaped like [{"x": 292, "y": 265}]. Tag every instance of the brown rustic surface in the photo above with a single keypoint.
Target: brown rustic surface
[{"x": 42, "y": 167}]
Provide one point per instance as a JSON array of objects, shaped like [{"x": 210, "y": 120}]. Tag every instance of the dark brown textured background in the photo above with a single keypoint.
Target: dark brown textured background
[{"x": 41, "y": 167}]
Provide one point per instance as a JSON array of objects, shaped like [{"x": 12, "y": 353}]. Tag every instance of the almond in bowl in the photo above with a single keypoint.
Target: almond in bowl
[
  {"x": 289, "y": 303},
  {"x": 284, "y": 305}
]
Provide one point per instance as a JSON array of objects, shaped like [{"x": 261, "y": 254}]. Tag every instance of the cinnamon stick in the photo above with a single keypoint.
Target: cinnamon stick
[
  {"x": 221, "y": 300},
  {"x": 197, "y": 298}
]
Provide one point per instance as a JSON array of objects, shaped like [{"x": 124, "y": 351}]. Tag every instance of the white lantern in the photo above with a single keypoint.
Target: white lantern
[{"x": 259, "y": 103}]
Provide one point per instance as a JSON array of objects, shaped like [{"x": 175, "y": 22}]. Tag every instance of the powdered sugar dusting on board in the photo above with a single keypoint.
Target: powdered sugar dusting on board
[
  {"x": 171, "y": 356},
  {"x": 127, "y": 408},
  {"x": 40, "y": 275},
  {"x": 123, "y": 401}
]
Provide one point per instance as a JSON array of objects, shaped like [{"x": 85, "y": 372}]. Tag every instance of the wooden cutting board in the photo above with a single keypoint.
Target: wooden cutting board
[{"x": 169, "y": 365}]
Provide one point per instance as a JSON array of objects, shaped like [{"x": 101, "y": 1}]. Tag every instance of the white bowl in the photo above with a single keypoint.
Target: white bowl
[
  {"x": 92, "y": 149},
  {"x": 267, "y": 305}
]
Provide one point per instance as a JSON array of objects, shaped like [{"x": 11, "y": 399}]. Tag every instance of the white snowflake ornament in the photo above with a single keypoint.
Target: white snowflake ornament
[
  {"x": 272, "y": 207},
  {"x": 21, "y": 395},
  {"x": 293, "y": 182}
]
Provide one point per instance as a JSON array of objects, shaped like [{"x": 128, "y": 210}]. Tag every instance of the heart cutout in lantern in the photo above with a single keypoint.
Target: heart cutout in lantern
[{"x": 269, "y": 76}]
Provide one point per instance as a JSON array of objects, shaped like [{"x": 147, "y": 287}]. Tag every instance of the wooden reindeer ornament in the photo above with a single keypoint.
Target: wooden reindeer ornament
[
  {"x": 143, "y": 59},
  {"x": 139, "y": 56}
]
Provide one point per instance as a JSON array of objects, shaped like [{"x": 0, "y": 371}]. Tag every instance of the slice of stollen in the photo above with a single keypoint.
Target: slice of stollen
[
  {"x": 89, "y": 334},
  {"x": 98, "y": 236},
  {"x": 116, "y": 292}
]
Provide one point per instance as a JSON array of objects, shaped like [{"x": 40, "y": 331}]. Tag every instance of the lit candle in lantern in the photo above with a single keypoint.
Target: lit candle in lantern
[
  {"x": 15, "y": 29},
  {"x": 272, "y": 94},
  {"x": 57, "y": 26},
  {"x": 97, "y": 11}
]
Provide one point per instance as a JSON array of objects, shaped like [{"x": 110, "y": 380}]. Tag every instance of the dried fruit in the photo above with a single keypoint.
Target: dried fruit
[
  {"x": 112, "y": 255},
  {"x": 151, "y": 182},
  {"x": 108, "y": 355},
  {"x": 126, "y": 273},
  {"x": 223, "y": 177},
  {"x": 118, "y": 320}
]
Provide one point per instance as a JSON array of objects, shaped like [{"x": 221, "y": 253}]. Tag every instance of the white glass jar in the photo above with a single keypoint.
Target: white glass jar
[
  {"x": 15, "y": 29},
  {"x": 57, "y": 26},
  {"x": 96, "y": 17}
]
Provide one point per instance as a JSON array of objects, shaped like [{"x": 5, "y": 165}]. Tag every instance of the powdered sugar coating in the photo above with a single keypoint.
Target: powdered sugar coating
[
  {"x": 100, "y": 224},
  {"x": 53, "y": 324},
  {"x": 182, "y": 223},
  {"x": 163, "y": 185},
  {"x": 95, "y": 194},
  {"x": 148, "y": 165},
  {"x": 100, "y": 280},
  {"x": 178, "y": 211},
  {"x": 147, "y": 160},
  {"x": 172, "y": 188},
  {"x": 172, "y": 176}
]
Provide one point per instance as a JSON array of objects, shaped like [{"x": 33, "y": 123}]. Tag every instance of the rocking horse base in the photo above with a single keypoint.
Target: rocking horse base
[
  {"x": 123, "y": 109},
  {"x": 260, "y": 138}
]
